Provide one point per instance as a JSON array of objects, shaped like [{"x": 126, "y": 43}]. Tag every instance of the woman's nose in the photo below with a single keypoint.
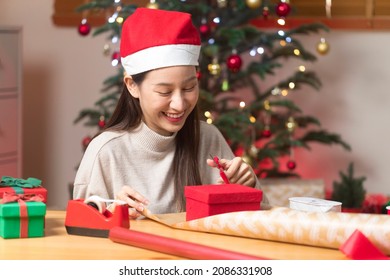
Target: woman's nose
[{"x": 177, "y": 102}]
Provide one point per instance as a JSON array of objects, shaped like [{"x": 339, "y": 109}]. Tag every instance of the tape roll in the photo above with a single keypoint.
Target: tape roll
[{"x": 96, "y": 202}]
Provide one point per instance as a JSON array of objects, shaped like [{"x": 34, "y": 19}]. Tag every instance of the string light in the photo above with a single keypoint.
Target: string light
[
  {"x": 281, "y": 21},
  {"x": 260, "y": 50}
]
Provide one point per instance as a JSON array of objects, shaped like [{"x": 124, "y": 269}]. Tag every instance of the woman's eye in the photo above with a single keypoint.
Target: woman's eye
[
  {"x": 189, "y": 88},
  {"x": 164, "y": 93}
]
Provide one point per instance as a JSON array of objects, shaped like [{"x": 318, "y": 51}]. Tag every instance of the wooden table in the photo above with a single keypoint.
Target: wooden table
[{"x": 59, "y": 245}]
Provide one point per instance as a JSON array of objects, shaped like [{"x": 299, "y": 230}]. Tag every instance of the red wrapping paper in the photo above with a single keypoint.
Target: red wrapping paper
[
  {"x": 173, "y": 246},
  {"x": 28, "y": 191},
  {"x": 359, "y": 247}
]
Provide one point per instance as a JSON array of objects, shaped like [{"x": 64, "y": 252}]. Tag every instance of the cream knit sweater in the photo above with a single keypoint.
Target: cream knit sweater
[{"x": 142, "y": 159}]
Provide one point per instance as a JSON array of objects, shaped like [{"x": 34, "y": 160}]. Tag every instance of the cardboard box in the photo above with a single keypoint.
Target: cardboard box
[
  {"x": 207, "y": 200},
  {"x": 12, "y": 221},
  {"x": 278, "y": 191}
]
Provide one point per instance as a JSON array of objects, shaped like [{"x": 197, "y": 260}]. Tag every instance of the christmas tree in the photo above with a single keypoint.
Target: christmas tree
[{"x": 262, "y": 126}]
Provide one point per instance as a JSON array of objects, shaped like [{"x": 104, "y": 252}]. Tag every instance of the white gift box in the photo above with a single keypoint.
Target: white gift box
[{"x": 311, "y": 204}]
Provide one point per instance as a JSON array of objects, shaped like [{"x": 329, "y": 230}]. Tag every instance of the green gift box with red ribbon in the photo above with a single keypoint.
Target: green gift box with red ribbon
[
  {"x": 22, "y": 215},
  {"x": 22, "y": 186}
]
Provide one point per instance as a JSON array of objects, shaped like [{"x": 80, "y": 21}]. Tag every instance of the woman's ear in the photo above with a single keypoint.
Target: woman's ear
[{"x": 131, "y": 86}]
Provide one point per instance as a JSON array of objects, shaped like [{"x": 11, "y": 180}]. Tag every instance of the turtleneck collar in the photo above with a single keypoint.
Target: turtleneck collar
[{"x": 151, "y": 140}]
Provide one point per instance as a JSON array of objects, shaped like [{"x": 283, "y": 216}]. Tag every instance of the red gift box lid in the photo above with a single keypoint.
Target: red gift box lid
[{"x": 224, "y": 193}]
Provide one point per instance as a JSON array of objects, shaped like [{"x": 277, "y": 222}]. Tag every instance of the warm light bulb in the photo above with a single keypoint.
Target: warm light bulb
[{"x": 281, "y": 21}]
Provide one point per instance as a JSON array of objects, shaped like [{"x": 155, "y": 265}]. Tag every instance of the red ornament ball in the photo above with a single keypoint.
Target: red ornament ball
[
  {"x": 265, "y": 12},
  {"x": 291, "y": 165},
  {"x": 101, "y": 123},
  {"x": 198, "y": 75},
  {"x": 84, "y": 28},
  {"x": 204, "y": 30},
  {"x": 283, "y": 9},
  {"x": 116, "y": 56},
  {"x": 86, "y": 141},
  {"x": 234, "y": 62},
  {"x": 266, "y": 133}
]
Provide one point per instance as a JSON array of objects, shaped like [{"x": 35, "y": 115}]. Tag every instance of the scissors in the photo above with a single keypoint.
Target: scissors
[{"x": 221, "y": 171}]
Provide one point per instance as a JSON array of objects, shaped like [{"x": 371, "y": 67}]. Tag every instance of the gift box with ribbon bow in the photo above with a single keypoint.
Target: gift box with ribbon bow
[
  {"x": 22, "y": 215},
  {"x": 209, "y": 200},
  {"x": 22, "y": 186}
]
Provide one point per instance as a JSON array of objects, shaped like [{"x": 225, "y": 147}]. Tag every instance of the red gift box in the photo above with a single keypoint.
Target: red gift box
[
  {"x": 21, "y": 186},
  {"x": 37, "y": 190},
  {"x": 207, "y": 200}
]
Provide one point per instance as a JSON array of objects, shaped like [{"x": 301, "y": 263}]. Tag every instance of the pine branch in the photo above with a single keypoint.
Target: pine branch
[{"x": 324, "y": 137}]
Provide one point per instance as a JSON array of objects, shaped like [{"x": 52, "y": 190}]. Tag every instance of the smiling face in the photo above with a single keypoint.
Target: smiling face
[{"x": 167, "y": 96}]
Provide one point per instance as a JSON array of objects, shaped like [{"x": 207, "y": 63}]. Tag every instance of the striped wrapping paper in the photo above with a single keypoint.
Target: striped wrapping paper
[{"x": 330, "y": 229}]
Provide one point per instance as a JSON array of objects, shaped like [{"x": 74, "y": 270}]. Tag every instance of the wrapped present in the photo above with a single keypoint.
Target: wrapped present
[
  {"x": 208, "y": 200},
  {"x": 278, "y": 191},
  {"x": 314, "y": 204},
  {"x": 22, "y": 215},
  {"x": 22, "y": 186},
  {"x": 375, "y": 203}
]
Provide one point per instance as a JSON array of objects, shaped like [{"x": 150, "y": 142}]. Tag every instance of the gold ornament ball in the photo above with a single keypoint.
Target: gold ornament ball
[
  {"x": 247, "y": 159},
  {"x": 222, "y": 3},
  {"x": 323, "y": 47},
  {"x": 214, "y": 69},
  {"x": 106, "y": 49},
  {"x": 253, "y": 151},
  {"x": 152, "y": 5},
  {"x": 253, "y": 4}
]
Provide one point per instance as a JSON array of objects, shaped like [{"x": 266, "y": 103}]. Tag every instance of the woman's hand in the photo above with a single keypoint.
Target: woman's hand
[
  {"x": 237, "y": 171},
  {"x": 134, "y": 199}
]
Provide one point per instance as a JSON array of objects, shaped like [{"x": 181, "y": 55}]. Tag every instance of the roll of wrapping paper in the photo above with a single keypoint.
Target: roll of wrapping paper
[
  {"x": 330, "y": 229},
  {"x": 174, "y": 246}
]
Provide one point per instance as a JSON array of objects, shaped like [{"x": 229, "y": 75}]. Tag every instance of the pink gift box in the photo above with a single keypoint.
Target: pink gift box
[
  {"x": 388, "y": 210},
  {"x": 207, "y": 200}
]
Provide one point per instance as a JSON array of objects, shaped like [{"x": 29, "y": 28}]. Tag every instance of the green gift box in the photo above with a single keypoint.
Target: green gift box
[{"x": 22, "y": 219}]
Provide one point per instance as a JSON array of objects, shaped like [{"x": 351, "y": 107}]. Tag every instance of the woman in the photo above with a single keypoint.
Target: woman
[{"x": 155, "y": 144}]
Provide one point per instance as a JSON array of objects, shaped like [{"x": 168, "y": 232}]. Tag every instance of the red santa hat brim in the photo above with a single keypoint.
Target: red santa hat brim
[{"x": 153, "y": 39}]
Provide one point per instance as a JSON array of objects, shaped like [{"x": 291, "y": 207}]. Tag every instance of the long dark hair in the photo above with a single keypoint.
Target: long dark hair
[{"x": 128, "y": 115}]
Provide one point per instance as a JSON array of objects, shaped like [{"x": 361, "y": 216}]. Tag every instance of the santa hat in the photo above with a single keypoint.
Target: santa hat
[{"x": 153, "y": 38}]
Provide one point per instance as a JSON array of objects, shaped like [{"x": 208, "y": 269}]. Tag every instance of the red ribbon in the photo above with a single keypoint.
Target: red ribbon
[
  {"x": 21, "y": 199},
  {"x": 359, "y": 247}
]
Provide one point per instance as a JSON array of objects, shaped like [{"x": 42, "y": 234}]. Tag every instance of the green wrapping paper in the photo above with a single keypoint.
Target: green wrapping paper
[{"x": 11, "y": 220}]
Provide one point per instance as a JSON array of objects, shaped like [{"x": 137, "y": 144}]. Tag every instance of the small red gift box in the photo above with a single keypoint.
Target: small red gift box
[
  {"x": 21, "y": 186},
  {"x": 208, "y": 200}
]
